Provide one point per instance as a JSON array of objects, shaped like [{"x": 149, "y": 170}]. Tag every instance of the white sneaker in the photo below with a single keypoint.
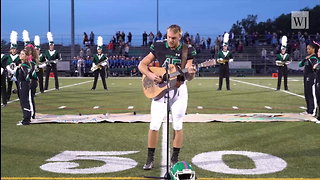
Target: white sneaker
[
  {"x": 318, "y": 122},
  {"x": 19, "y": 123}
]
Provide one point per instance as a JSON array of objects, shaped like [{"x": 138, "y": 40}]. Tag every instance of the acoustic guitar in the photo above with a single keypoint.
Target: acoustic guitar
[{"x": 155, "y": 90}]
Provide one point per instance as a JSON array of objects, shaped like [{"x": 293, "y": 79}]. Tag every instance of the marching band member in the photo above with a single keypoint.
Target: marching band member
[
  {"x": 168, "y": 51},
  {"x": 33, "y": 59},
  {"x": 13, "y": 62},
  {"x": 224, "y": 57},
  {"x": 282, "y": 60},
  {"x": 3, "y": 80},
  {"x": 39, "y": 70},
  {"x": 309, "y": 78},
  {"x": 100, "y": 61},
  {"x": 51, "y": 56},
  {"x": 23, "y": 78},
  {"x": 316, "y": 67}
]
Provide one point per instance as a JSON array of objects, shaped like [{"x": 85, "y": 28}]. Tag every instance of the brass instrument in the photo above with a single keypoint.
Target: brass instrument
[{"x": 99, "y": 65}]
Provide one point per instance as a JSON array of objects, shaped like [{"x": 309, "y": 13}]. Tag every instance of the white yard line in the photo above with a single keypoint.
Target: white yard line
[
  {"x": 163, "y": 164},
  {"x": 266, "y": 87},
  {"x": 71, "y": 85}
]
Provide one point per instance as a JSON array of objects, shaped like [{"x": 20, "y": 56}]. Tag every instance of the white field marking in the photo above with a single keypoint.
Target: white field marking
[
  {"x": 130, "y": 107},
  {"x": 62, "y": 107},
  {"x": 235, "y": 107},
  {"x": 199, "y": 107},
  {"x": 164, "y": 160},
  {"x": 53, "y": 89},
  {"x": 302, "y": 107},
  {"x": 130, "y": 84},
  {"x": 266, "y": 87},
  {"x": 268, "y": 107},
  {"x": 96, "y": 107}
]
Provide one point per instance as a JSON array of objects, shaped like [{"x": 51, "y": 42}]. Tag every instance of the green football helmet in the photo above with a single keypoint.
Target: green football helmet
[{"x": 182, "y": 170}]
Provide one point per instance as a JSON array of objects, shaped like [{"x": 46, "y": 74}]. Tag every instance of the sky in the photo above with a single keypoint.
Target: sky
[{"x": 105, "y": 17}]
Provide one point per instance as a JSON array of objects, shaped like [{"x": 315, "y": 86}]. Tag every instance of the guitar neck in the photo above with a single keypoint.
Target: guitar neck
[{"x": 177, "y": 73}]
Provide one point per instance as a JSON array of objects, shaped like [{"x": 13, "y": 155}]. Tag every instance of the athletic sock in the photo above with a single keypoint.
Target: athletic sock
[
  {"x": 151, "y": 154},
  {"x": 175, "y": 154}
]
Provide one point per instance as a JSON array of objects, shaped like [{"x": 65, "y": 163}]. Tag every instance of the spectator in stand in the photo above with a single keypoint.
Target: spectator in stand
[
  {"x": 264, "y": 53},
  {"x": 80, "y": 67},
  {"x": 240, "y": 47},
  {"x": 88, "y": 51},
  {"x": 118, "y": 36},
  {"x": 129, "y": 38},
  {"x": 151, "y": 38},
  {"x": 317, "y": 38},
  {"x": 144, "y": 38},
  {"x": 203, "y": 43},
  {"x": 197, "y": 39},
  {"x": 81, "y": 53},
  {"x": 268, "y": 38},
  {"x": 126, "y": 50},
  {"x": 91, "y": 38},
  {"x": 208, "y": 42},
  {"x": 303, "y": 45},
  {"x": 159, "y": 35},
  {"x": 123, "y": 36},
  {"x": 274, "y": 40},
  {"x": 85, "y": 38},
  {"x": 192, "y": 39},
  {"x": 110, "y": 47},
  {"x": 296, "y": 54}
]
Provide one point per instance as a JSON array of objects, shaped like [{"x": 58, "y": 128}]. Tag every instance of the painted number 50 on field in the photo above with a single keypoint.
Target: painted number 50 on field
[{"x": 210, "y": 161}]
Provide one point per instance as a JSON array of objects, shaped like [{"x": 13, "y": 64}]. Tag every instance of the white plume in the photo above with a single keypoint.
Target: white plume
[
  {"x": 50, "y": 37},
  {"x": 284, "y": 40},
  {"x": 13, "y": 37},
  {"x": 100, "y": 41},
  {"x": 37, "y": 40},
  {"x": 226, "y": 37},
  {"x": 25, "y": 36}
]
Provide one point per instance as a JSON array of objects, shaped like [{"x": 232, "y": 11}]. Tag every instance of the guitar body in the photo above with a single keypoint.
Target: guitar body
[
  {"x": 153, "y": 90},
  {"x": 156, "y": 91}
]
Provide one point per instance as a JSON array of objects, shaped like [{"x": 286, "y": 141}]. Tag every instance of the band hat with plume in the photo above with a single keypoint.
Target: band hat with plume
[
  {"x": 99, "y": 42},
  {"x": 225, "y": 39},
  {"x": 50, "y": 38},
  {"x": 13, "y": 39},
  {"x": 37, "y": 42},
  {"x": 284, "y": 40},
  {"x": 25, "y": 37}
]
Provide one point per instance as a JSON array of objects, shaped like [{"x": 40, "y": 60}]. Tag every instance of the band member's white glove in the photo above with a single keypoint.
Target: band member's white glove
[
  {"x": 1, "y": 70},
  {"x": 93, "y": 64},
  {"x": 104, "y": 64},
  {"x": 230, "y": 60},
  {"x": 42, "y": 65}
]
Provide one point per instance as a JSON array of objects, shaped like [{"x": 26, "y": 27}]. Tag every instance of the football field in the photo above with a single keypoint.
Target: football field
[{"x": 118, "y": 150}]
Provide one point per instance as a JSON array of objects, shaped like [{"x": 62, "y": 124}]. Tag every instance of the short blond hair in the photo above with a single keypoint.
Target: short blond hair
[{"x": 175, "y": 28}]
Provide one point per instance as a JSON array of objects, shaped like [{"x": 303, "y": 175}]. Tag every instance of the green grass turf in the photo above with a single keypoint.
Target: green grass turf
[{"x": 25, "y": 148}]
